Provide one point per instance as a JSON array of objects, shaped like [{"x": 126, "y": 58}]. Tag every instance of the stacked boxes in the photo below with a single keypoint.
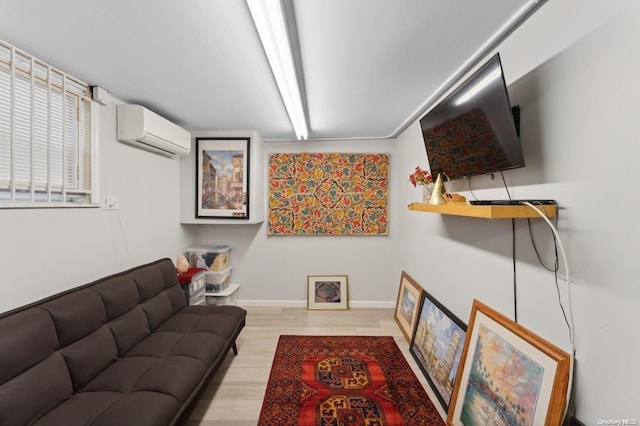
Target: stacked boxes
[
  {"x": 215, "y": 261},
  {"x": 217, "y": 280},
  {"x": 225, "y": 297},
  {"x": 214, "y": 258},
  {"x": 193, "y": 285},
  {"x": 217, "y": 273}
]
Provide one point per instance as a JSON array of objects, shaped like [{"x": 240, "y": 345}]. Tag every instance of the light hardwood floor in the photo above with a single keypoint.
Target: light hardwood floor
[{"x": 234, "y": 396}]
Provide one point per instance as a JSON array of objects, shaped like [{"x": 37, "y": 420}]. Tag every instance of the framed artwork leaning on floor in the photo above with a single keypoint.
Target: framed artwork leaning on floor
[
  {"x": 409, "y": 294},
  {"x": 437, "y": 345},
  {"x": 327, "y": 292},
  {"x": 507, "y": 374}
]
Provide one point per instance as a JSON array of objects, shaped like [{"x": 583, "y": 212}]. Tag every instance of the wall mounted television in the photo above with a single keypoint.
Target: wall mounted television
[{"x": 473, "y": 131}]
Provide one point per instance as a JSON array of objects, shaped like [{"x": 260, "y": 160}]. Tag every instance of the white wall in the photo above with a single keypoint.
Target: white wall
[
  {"x": 44, "y": 251},
  {"x": 273, "y": 270},
  {"x": 573, "y": 68}
]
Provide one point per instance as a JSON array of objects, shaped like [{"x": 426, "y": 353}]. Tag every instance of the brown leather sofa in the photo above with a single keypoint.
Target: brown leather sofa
[{"x": 123, "y": 350}]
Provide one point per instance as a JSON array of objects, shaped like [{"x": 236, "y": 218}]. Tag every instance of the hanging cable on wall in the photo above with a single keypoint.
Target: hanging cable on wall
[
  {"x": 470, "y": 190},
  {"x": 553, "y": 269},
  {"x": 513, "y": 254},
  {"x": 570, "y": 323},
  {"x": 505, "y": 185}
]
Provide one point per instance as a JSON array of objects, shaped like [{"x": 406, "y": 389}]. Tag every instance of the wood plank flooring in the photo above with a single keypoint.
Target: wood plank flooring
[{"x": 234, "y": 396}]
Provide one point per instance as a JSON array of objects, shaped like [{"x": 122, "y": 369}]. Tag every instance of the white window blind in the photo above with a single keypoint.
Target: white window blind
[{"x": 45, "y": 134}]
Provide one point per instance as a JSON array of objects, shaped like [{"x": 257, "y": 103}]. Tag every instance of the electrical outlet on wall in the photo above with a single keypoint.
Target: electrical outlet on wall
[{"x": 112, "y": 202}]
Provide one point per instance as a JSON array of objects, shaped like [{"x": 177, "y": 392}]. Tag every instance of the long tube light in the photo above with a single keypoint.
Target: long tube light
[{"x": 269, "y": 19}]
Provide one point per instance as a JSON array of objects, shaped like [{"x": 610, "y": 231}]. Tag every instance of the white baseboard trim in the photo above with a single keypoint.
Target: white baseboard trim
[{"x": 303, "y": 304}]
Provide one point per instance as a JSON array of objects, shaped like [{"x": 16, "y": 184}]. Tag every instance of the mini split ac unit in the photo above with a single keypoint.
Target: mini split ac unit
[{"x": 146, "y": 129}]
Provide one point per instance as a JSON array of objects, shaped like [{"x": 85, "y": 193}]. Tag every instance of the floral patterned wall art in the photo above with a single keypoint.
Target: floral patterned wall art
[{"x": 328, "y": 193}]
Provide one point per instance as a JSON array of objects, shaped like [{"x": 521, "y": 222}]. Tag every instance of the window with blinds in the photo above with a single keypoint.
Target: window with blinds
[{"x": 45, "y": 134}]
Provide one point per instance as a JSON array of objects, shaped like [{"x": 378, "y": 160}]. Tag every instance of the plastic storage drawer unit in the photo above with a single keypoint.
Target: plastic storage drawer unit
[
  {"x": 214, "y": 258},
  {"x": 227, "y": 296},
  {"x": 194, "y": 285},
  {"x": 217, "y": 280}
]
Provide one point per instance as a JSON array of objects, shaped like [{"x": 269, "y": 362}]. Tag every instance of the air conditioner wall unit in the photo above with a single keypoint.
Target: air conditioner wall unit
[{"x": 147, "y": 130}]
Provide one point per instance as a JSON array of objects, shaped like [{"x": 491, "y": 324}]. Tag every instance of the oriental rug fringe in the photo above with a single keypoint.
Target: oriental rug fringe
[{"x": 344, "y": 381}]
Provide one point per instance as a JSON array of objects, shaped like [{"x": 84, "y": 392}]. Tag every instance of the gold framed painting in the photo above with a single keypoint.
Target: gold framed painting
[
  {"x": 406, "y": 314},
  {"x": 327, "y": 292},
  {"x": 507, "y": 374}
]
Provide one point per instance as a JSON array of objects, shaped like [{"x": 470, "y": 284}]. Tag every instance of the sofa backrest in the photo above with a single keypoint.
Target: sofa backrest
[{"x": 52, "y": 348}]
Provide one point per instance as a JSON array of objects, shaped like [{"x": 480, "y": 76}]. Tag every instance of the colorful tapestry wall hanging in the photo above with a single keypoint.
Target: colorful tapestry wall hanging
[{"x": 328, "y": 193}]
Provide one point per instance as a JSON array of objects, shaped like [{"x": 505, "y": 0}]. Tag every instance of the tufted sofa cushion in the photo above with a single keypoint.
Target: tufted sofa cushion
[{"x": 123, "y": 350}]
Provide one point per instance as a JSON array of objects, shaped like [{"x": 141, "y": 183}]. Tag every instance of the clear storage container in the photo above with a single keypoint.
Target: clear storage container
[
  {"x": 217, "y": 280},
  {"x": 213, "y": 258},
  {"x": 226, "y": 297}
]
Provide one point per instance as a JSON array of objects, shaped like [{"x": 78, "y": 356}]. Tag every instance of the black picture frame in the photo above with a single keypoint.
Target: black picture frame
[
  {"x": 437, "y": 346},
  {"x": 222, "y": 177}
]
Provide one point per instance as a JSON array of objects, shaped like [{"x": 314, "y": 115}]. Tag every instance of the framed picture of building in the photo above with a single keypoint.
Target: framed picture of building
[
  {"x": 508, "y": 375},
  {"x": 222, "y": 181},
  {"x": 327, "y": 292},
  {"x": 437, "y": 346}
]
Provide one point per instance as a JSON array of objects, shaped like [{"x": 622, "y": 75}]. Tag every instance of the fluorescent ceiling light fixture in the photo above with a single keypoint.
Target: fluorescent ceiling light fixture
[{"x": 268, "y": 17}]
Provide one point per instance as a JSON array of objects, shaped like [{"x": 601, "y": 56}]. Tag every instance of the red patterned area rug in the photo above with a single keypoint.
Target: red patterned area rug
[{"x": 344, "y": 381}]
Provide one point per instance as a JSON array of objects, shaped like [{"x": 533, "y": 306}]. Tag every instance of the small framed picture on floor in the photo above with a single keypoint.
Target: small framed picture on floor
[{"x": 327, "y": 292}]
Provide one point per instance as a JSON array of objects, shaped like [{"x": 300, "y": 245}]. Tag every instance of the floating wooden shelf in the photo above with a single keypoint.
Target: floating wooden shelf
[{"x": 486, "y": 212}]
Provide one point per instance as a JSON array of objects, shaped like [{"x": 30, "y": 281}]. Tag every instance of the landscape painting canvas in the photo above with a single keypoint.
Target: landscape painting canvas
[
  {"x": 503, "y": 384},
  {"x": 508, "y": 375}
]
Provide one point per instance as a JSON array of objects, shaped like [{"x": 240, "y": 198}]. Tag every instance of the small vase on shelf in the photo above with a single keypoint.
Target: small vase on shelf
[
  {"x": 422, "y": 178},
  {"x": 426, "y": 192}
]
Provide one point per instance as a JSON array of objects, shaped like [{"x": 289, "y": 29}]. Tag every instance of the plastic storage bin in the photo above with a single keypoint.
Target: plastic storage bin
[
  {"x": 226, "y": 297},
  {"x": 198, "y": 299},
  {"x": 214, "y": 258},
  {"x": 194, "y": 286},
  {"x": 217, "y": 280}
]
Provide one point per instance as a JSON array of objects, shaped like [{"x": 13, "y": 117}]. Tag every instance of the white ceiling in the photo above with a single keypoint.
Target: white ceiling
[{"x": 369, "y": 65}]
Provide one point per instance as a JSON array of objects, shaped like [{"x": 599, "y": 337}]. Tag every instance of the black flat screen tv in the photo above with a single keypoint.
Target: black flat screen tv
[{"x": 473, "y": 130}]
